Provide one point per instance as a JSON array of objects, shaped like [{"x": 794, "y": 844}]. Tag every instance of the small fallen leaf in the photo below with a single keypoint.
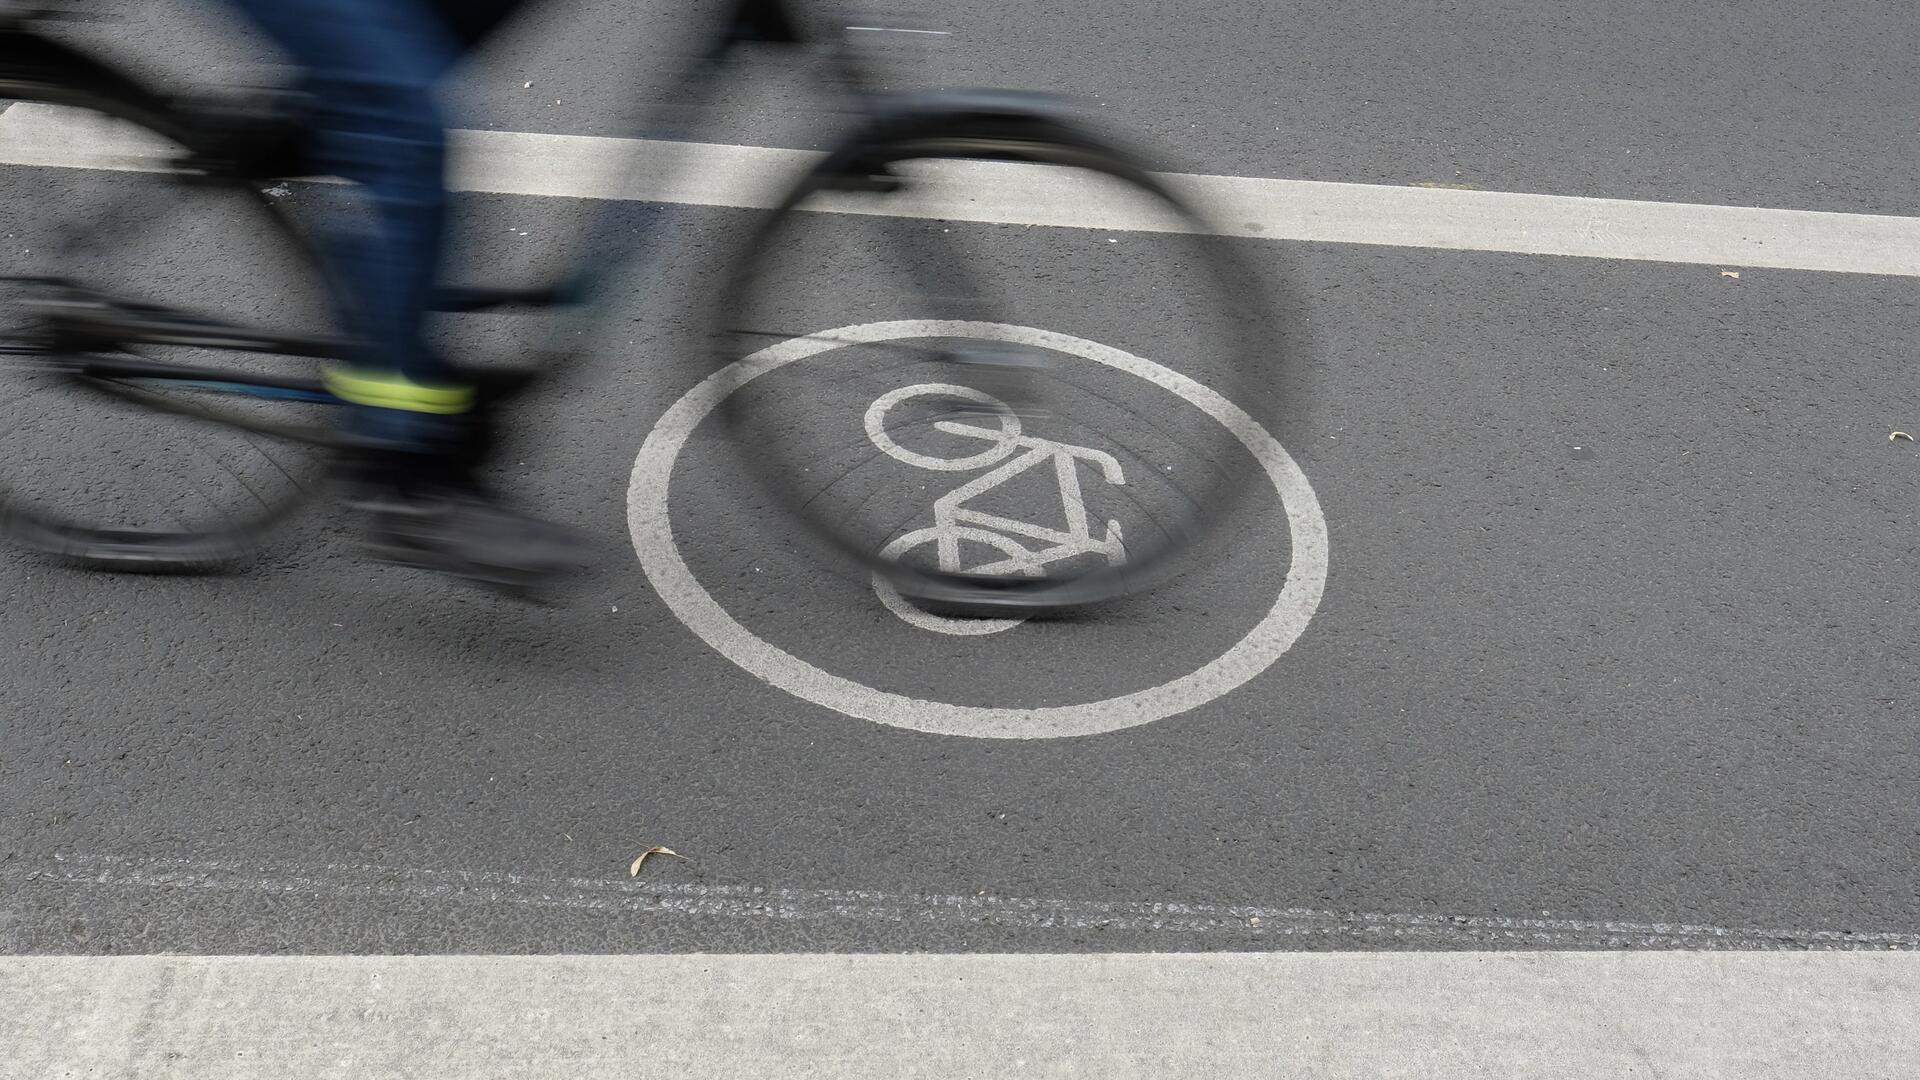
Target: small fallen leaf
[
  {"x": 634, "y": 870},
  {"x": 1898, "y": 435},
  {"x": 1734, "y": 274}
]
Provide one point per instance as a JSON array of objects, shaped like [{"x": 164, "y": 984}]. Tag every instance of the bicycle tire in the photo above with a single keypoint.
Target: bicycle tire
[
  {"x": 1263, "y": 380},
  {"x": 231, "y": 488}
]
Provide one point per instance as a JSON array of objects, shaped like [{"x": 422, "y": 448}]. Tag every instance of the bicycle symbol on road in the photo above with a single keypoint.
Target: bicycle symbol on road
[
  {"x": 1304, "y": 565},
  {"x": 1022, "y": 547}
]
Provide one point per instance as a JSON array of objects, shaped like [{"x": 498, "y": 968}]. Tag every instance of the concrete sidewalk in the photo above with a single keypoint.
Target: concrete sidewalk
[{"x": 1513, "y": 1014}]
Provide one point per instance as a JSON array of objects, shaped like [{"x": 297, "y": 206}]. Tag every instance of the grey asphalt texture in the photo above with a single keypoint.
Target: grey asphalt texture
[{"x": 1617, "y": 629}]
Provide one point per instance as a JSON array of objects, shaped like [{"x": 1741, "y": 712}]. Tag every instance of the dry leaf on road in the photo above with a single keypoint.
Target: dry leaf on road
[{"x": 634, "y": 870}]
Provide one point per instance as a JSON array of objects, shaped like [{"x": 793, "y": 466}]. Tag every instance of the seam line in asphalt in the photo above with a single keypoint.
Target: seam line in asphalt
[{"x": 1173, "y": 922}]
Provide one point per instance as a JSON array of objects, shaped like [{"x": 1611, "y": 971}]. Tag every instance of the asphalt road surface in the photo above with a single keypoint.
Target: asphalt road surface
[{"x": 1613, "y": 649}]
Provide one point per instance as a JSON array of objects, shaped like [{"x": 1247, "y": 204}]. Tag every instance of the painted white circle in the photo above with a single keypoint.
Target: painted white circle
[
  {"x": 1004, "y": 437},
  {"x": 1269, "y": 639}
]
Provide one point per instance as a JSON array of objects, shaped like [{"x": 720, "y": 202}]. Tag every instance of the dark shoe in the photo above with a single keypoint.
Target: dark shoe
[
  {"x": 462, "y": 531},
  {"x": 411, "y": 477}
]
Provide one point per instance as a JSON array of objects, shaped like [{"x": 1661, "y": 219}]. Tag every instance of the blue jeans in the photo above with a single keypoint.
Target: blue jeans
[{"x": 372, "y": 67}]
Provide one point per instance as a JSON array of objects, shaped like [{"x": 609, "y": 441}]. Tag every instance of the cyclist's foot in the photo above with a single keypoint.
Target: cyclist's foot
[
  {"x": 464, "y": 532},
  {"x": 411, "y": 477}
]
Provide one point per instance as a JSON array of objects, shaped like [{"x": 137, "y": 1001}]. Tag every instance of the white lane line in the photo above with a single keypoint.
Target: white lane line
[
  {"x": 1444, "y": 1016},
  {"x": 710, "y": 174},
  {"x": 1173, "y": 921}
]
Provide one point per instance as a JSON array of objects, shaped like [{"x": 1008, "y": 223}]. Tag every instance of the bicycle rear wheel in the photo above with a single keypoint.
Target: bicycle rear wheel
[
  {"x": 1001, "y": 366},
  {"x": 130, "y": 278}
]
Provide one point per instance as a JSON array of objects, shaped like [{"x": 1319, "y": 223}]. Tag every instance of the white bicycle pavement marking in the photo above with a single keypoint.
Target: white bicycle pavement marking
[
  {"x": 1269, "y": 639},
  {"x": 954, "y": 521}
]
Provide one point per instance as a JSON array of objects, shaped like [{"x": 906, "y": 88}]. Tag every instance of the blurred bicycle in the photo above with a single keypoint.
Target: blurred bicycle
[{"x": 163, "y": 339}]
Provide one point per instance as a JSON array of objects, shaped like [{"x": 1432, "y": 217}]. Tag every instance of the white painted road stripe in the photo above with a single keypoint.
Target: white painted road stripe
[
  {"x": 1113, "y": 1016},
  {"x": 520, "y": 163},
  {"x": 1177, "y": 924}
]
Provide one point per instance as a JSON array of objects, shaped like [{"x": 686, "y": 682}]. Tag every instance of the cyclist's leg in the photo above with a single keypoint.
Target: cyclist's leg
[{"x": 372, "y": 66}]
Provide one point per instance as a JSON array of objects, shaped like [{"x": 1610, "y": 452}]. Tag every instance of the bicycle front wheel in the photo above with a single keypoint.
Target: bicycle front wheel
[{"x": 1002, "y": 366}]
